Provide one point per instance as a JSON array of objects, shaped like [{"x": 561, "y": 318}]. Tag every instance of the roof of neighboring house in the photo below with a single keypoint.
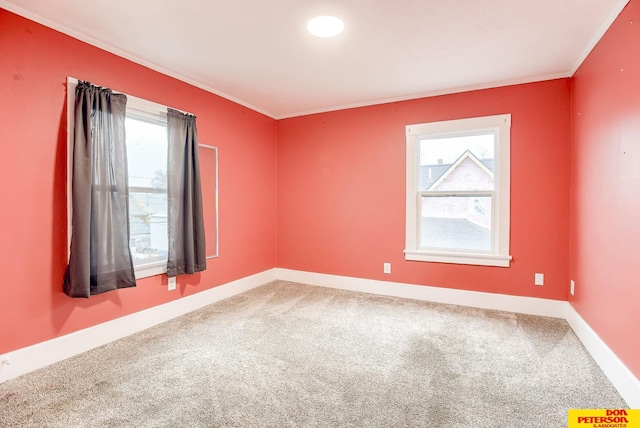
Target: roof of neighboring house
[
  {"x": 440, "y": 171},
  {"x": 458, "y": 233}
]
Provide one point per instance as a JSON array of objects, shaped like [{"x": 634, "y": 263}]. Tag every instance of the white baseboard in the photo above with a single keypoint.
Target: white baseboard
[
  {"x": 475, "y": 299},
  {"x": 620, "y": 376},
  {"x": 40, "y": 355},
  {"x": 43, "y": 354}
]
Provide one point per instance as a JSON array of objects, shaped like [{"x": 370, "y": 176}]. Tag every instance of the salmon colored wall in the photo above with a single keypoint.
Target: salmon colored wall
[
  {"x": 341, "y": 190},
  {"x": 340, "y": 186},
  {"x": 605, "y": 188},
  {"x": 34, "y": 64}
]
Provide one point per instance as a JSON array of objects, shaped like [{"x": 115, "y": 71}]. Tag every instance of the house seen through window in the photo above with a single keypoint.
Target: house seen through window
[{"x": 456, "y": 187}]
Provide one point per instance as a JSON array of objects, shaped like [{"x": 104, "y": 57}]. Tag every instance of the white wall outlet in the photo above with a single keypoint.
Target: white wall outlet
[
  {"x": 386, "y": 268},
  {"x": 572, "y": 288},
  {"x": 538, "y": 279},
  {"x": 172, "y": 283}
]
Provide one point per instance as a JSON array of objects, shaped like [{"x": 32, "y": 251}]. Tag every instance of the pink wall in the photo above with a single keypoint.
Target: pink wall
[
  {"x": 340, "y": 186},
  {"x": 34, "y": 64},
  {"x": 341, "y": 190},
  {"x": 605, "y": 188}
]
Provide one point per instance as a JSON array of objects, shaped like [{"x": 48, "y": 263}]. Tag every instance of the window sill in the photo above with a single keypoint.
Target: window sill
[
  {"x": 150, "y": 269},
  {"x": 458, "y": 258}
]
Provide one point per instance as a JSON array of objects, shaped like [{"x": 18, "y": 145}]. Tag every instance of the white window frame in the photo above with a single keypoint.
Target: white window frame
[
  {"x": 139, "y": 106},
  {"x": 499, "y": 254}
]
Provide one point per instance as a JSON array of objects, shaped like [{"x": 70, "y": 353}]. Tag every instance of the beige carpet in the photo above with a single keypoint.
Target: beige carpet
[{"x": 292, "y": 355}]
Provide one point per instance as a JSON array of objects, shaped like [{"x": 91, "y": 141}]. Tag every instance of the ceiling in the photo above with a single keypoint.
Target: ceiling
[{"x": 258, "y": 53}]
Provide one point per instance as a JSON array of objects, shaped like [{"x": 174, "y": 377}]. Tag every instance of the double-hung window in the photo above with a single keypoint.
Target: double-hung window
[
  {"x": 147, "y": 143},
  {"x": 146, "y": 130},
  {"x": 458, "y": 201}
]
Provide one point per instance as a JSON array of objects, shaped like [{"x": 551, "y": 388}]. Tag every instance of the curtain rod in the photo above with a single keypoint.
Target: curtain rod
[{"x": 136, "y": 100}]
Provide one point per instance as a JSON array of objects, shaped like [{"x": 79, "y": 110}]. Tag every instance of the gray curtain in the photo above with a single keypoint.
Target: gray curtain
[
  {"x": 100, "y": 258},
  {"x": 187, "y": 251}
]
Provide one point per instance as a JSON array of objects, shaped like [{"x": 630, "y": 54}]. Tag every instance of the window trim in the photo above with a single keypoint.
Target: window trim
[{"x": 499, "y": 255}]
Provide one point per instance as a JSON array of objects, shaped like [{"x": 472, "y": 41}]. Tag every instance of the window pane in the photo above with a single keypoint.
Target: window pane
[
  {"x": 147, "y": 157},
  {"x": 456, "y": 222},
  {"x": 457, "y": 163}
]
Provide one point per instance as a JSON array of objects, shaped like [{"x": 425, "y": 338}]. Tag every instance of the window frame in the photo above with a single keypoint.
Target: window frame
[
  {"x": 146, "y": 111},
  {"x": 499, "y": 255}
]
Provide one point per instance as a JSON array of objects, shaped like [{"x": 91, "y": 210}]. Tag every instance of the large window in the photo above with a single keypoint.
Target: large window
[
  {"x": 458, "y": 191},
  {"x": 146, "y": 133},
  {"x": 147, "y": 162},
  {"x": 146, "y": 140}
]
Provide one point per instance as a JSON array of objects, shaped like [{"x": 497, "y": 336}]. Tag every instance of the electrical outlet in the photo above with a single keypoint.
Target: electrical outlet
[
  {"x": 172, "y": 283},
  {"x": 386, "y": 268},
  {"x": 538, "y": 279},
  {"x": 572, "y": 289}
]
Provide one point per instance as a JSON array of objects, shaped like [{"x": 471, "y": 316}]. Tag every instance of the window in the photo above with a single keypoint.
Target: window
[
  {"x": 147, "y": 162},
  {"x": 458, "y": 191},
  {"x": 146, "y": 132}
]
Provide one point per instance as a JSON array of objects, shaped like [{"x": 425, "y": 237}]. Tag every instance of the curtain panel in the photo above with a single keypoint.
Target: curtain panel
[
  {"x": 100, "y": 258},
  {"x": 187, "y": 249}
]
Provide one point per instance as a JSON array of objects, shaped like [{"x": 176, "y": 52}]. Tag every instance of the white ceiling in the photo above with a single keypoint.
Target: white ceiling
[{"x": 258, "y": 53}]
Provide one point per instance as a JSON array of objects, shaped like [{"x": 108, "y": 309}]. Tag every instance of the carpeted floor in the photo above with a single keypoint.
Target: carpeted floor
[{"x": 292, "y": 355}]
